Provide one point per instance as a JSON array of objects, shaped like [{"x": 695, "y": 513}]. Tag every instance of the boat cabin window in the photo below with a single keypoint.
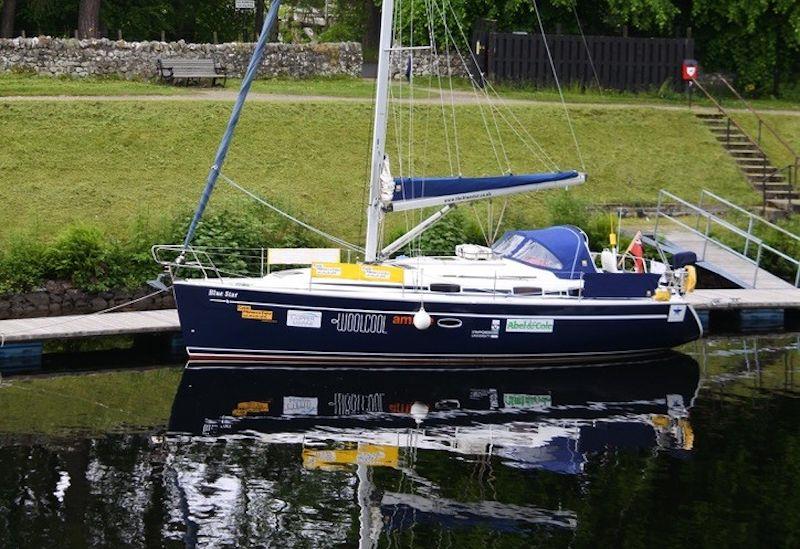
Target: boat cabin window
[
  {"x": 536, "y": 255},
  {"x": 507, "y": 244}
]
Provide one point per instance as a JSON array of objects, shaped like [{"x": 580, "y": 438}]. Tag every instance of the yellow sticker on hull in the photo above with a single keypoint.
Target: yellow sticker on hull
[
  {"x": 248, "y": 313},
  {"x": 358, "y": 271},
  {"x": 374, "y": 455}
]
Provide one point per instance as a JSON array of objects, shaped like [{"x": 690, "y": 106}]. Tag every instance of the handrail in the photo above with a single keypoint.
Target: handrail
[
  {"x": 761, "y": 120},
  {"x": 708, "y": 215},
  {"x": 749, "y": 214},
  {"x": 735, "y": 123},
  {"x": 747, "y": 235}
]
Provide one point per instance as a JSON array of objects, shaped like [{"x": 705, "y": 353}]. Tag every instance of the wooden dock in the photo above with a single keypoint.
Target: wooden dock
[
  {"x": 85, "y": 326},
  {"x": 735, "y": 267},
  {"x": 773, "y": 298}
]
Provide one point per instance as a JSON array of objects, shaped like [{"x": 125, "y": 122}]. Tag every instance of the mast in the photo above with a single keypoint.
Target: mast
[{"x": 374, "y": 211}]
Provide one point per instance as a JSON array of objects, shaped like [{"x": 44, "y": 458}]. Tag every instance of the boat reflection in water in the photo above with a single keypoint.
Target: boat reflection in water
[{"x": 360, "y": 420}]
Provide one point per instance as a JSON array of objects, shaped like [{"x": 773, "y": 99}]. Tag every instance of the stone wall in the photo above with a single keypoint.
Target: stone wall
[
  {"x": 137, "y": 60},
  {"x": 61, "y": 298},
  {"x": 424, "y": 63}
]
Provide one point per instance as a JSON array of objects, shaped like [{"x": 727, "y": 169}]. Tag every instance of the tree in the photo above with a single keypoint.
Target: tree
[
  {"x": 7, "y": 18},
  {"x": 759, "y": 41},
  {"x": 89, "y": 19}
]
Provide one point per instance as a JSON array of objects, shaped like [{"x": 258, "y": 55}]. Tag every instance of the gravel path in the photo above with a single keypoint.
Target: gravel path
[{"x": 459, "y": 98}]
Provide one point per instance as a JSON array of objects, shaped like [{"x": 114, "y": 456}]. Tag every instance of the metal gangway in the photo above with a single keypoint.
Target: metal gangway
[{"x": 731, "y": 239}]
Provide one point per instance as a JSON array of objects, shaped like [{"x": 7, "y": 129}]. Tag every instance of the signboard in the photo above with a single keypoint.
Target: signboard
[
  {"x": 302, "y": 256},
  {"x": 353, "y": 271},
  {"x": 245, "y": 4}
]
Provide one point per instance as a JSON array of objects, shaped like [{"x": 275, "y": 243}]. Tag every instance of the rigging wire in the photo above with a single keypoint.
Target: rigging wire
[
  {"x": 541, "y": 154},
  {"x": 290, "y": 217},
  {"x": 472, "y": 81},
  {"x": 558, "y": 85},
  {"x": 435, "y": 57},
  {"x": 585, "y": 45},
  {"x": 499, "y": 222},
  {"x": 543, "y": 157}
]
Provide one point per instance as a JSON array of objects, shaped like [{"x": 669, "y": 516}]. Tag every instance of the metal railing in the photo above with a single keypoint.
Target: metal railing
[
  {"x": 791, "y": 169},
  {"x": 712, "y": 220},
  {"x": 795, "y": 165}
]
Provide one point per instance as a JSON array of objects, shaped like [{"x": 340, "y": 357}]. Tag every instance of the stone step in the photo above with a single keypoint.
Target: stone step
[
  {"x": 760, "y": 179},
  {"x": 772, "y": 213},
  {"x": 709, "y": 116},
  {"x": 785, "y": 205},
  {"x": 733, "y": 138},
  {"x": 747, "y": 161},
  {"x": 743, "y": 153},
  {"x": 754, "y": 169},
  {"x": 743, "y": 146},
  {"x": 777, "y": 185},
  {"x": 719, "y": 129},
  {"x": 782, "y": 193},
  {"x": 724, "y": 128}
]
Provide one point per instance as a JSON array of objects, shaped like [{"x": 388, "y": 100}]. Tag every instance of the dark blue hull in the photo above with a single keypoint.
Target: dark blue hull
[{"x": 258, "y": 325}]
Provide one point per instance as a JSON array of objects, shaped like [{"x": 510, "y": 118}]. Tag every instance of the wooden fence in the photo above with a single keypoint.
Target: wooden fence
[{"x": 620, "y": 63}]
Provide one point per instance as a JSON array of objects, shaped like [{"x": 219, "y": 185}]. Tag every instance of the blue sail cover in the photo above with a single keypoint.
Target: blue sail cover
[
  {"x": 419, "y": 192},
  {"x": 561, "y": 249}
]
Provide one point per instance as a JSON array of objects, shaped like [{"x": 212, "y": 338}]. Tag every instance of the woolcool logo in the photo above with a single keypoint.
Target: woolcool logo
[{"x": 360, "y": 323}]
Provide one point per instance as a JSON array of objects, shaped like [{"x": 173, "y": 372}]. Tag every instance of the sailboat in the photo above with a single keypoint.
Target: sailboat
[{"x": 532, "y": 296}]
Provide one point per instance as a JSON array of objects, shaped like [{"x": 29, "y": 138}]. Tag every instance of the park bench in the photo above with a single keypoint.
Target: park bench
[{"x": 190, "y": 70}]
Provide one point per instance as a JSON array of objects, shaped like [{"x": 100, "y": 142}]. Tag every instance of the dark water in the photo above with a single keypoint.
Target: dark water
[{"x": 700, "y": 448}]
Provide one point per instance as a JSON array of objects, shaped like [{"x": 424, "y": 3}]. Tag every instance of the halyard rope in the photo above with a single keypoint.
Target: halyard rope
[{"x": 558, "y": 85}]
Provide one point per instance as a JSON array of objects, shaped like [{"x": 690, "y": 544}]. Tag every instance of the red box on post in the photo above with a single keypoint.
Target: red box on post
[{"x": 689, "y": 69}]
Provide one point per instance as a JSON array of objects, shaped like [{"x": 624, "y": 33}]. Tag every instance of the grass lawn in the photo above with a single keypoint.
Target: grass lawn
[
  {"x": 12, "y": 84},
  {"x": 116, "y": 163},
  {"x": 332, "y": 87},
  {"x": 574, "y": 94},
  {"x": 91, "y": 403},
  {"x": 787, "y": 127}
]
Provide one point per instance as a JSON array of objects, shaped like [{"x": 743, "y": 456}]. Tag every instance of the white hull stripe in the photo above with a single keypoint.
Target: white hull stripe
[
  {"x": 434, "y": 297},
  {"x": 221, "y": 351},
  {"x": 448, "y": 314}
]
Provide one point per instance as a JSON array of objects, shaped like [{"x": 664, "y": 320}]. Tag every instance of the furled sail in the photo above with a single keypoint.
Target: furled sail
[{"x": 421, "y": 192}]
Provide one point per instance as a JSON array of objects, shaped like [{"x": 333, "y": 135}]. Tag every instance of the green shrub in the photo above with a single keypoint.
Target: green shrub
[
  {"x": 566, "y": 208},
  {"x": 598, "y": 229},
  {"x": 22, "y": 264},
  {"x": 85, "y": 256},
  {"x": 783, "y": 243}
]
